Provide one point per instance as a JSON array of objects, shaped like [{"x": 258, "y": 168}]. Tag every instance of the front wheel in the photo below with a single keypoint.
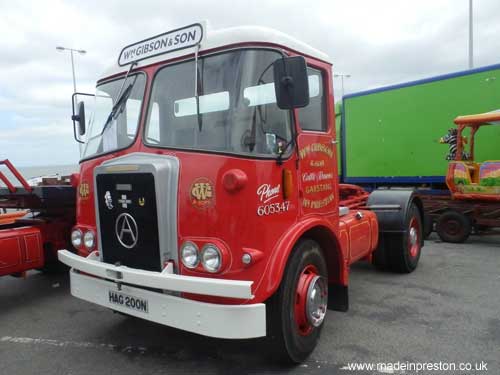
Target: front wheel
[{"x": 297, "y": 310}]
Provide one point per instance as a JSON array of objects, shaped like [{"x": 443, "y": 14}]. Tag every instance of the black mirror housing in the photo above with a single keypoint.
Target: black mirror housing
[
  {"x": 80, "y": 118},
  {"x": 291, "y": 83}
]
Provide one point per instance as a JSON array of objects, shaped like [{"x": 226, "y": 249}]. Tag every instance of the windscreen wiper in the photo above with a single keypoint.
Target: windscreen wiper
[
  {"x": 121, "y": 99},
  {"x": 118, "y": 107}
]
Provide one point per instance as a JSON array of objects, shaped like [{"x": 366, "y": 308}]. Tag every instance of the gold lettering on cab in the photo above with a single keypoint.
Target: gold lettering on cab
[
  {"x": 202, "y": 193},
  {"x": 84, "y": 190},
  {"x": 316, "y": 204},
  {"x": 316, "y": 147}
]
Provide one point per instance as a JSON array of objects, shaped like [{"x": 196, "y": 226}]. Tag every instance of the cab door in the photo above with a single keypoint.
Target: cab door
[{"x": 318, "y": 182}]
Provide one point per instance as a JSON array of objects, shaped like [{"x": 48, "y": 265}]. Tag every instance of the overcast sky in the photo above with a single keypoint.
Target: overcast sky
[{"x": 377, "y": 42}]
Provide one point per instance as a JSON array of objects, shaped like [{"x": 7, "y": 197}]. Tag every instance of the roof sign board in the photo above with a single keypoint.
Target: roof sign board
[{"x": 185, "y": 37}]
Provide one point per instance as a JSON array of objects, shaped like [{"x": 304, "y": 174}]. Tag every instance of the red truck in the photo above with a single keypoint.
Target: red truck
[
  {"x": 209, "y": 198},
  {"x": 35, "y": 222}
]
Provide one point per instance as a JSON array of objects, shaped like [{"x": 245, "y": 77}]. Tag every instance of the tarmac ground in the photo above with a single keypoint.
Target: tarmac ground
[{"x": 446, "y": 313}]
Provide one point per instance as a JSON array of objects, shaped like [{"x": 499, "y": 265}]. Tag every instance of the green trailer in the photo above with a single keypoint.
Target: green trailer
[{"x": 390, "y": 135}]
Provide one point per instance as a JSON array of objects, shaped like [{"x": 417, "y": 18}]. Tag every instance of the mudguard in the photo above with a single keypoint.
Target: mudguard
[
  {"x": 391, "y": 207},
  {"x": 285, "y": 246}
]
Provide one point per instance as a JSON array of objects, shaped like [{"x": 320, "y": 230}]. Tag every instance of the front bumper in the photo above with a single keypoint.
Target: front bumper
[{"x": 209, "y": 319}]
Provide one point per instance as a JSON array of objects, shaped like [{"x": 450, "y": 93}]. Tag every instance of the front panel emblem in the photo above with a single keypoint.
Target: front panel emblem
[
  {"x": 84, "y": 190},
  {"x": 202, "y": 193},
  {"x": 108, "y": 200},
  {"x": 142, "y": 202},
  {"x": 124, "y": 201},
  {"x": 127, "y": 231}
]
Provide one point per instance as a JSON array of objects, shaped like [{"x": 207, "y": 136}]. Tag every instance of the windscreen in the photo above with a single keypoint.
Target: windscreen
[
  {"x": 235, "y": 110},
  {"x": 107, "y": 130}
]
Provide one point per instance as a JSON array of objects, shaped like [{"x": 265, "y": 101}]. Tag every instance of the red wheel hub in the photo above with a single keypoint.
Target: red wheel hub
[
  {"x": 414, "y": 237},
  {"x": 311, "y": 298}
]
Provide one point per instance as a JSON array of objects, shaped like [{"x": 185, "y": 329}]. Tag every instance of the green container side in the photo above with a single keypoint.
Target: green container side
[
  {"x": 395, "y": 133},
  {"x": 338, "y": 138}
]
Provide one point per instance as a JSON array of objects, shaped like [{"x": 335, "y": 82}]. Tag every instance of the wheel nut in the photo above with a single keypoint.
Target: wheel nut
[{"x": 246, "y": 258}]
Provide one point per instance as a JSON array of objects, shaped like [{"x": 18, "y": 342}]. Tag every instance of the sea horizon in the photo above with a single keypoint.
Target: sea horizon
[{"x": 39, "y": 170}]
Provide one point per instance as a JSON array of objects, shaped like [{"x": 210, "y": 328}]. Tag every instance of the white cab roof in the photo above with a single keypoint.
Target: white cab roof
[{"x": 231, "y": 36}]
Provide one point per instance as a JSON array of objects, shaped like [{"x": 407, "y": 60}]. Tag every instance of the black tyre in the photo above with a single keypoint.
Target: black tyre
[
  {"x": 401, "y": 252},
  {"x": 297, "y": 310},
  {"x": 453, "y": 226},
  {"x": 52, "y": 264},
  {"x": 428, "y": 226},
  {"x": 380, "y": 258},
  {"x": 54, "y": 268}
]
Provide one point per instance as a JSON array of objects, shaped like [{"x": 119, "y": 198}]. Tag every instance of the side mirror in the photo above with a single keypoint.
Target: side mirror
[
  {"x": 291, "y": 83},
  {"x": 79, "y": 115},
  {"x": 80, "y": 118}
]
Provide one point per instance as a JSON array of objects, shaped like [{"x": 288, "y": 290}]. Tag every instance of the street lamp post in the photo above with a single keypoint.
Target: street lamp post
[
  {"x": 71, "y": 50},
  {"x": 342, "y": 75}
]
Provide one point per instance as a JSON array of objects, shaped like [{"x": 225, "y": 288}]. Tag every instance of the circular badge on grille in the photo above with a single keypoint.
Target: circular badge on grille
[{"x": 126, "y": 230}]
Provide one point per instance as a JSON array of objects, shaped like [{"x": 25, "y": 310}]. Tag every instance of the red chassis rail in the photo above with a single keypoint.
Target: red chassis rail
[{"x": 352, "y": 196}]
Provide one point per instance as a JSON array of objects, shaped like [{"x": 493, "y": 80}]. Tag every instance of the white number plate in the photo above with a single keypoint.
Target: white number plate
[{"x": 125, "y": 300}]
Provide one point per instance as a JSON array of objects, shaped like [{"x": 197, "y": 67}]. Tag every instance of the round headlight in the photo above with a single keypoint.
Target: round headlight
[
  {"x": 189, "y": 255},
  {"x": 89, "y": 239},
  {"x": 76, "y": 238},
  {"x": 211, "y": 258}
]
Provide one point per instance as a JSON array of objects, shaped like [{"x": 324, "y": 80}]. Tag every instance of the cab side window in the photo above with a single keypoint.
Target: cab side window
[{"x": 313, "y": 117}]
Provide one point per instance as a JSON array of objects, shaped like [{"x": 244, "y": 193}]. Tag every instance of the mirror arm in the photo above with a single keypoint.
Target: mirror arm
[{"x": 75, "y": 135}]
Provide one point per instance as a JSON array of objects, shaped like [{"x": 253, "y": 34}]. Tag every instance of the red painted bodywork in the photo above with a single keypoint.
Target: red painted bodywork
[
  {"x": 21, "y": 249},
  {"x": 232, "y": 220},
  {"x": 29, "y": 244}
]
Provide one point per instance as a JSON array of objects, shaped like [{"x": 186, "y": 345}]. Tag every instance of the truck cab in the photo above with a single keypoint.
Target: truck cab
[{"x": 208, "y": 190}]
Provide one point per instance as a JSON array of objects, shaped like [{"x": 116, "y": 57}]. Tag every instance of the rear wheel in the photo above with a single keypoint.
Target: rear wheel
[
  {"x": 453, "y": 226},
  {"x": 400, "y": 252},
  {"x": 298, "y": 309},
  {"x": 52, "y": 264},
  {"x": 428, "y": 226}
]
